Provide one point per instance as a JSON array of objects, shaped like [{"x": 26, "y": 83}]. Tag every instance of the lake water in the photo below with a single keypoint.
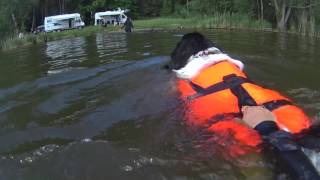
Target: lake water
[{"x": 102, "y": 107}]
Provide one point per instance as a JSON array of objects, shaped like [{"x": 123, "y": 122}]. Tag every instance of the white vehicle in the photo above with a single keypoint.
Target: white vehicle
[
  {"x": 116, "y": 17},
  {"x": 63, "y": 22}
]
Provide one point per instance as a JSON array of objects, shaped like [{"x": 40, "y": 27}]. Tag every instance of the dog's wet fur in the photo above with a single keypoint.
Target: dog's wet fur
[{"x": 189, "y": 45}]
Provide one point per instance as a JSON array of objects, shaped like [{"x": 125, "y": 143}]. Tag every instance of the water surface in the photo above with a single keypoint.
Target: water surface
[{"x": 102, "y": 107}]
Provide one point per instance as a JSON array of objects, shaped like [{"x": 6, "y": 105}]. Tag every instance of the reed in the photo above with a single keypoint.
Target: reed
[
  {"x": 27, "y": 39},
  {"x": 227, "y": 21}
]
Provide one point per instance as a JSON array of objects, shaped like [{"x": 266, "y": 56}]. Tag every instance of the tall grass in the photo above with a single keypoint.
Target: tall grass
[{"x": 226, "y": 21}]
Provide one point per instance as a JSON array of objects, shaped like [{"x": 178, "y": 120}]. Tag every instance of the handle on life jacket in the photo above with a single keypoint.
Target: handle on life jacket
[
  {"x": 229, "y": 82},
  {"x": 244, "y": 98},
  {"x": 234, "y": 82},
  {"x": 287, "y": 151}
]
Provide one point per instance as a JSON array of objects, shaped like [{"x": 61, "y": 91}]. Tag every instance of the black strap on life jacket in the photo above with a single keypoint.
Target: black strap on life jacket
[
  {"x": 272, "y": 105},
  {"x": 229, "y": 82},
  {"x": 234, "y": 82},
  {"x": 286, "y": 150}
]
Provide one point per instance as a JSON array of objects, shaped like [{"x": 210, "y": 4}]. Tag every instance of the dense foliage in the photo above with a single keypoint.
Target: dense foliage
[{"x": 297, "y": 15}]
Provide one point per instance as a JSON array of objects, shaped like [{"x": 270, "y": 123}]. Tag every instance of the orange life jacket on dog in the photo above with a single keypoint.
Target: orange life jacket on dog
[{"x": 218, "y": 92}]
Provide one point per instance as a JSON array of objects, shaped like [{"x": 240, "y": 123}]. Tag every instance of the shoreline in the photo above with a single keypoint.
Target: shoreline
[
  {"x": 149, "y": 25},
  {"x": 34, "y": 39}
]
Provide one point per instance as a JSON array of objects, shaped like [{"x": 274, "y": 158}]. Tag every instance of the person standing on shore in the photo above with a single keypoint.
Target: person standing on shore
[{"x": 128, "y": 25}]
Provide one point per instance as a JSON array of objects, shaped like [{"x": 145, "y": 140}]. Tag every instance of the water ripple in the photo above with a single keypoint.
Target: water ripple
[
  {"x": 110, "y": 44},
  {"x": 101, "y": 117},
  {"x": 65, "y": 53}
]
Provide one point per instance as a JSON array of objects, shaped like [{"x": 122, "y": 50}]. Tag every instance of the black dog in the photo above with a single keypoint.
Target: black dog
[{"x": 195, "y": 60}]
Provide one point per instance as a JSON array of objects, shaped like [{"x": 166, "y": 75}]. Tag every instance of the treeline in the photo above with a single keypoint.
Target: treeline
[{"x": 301, "y": 16}]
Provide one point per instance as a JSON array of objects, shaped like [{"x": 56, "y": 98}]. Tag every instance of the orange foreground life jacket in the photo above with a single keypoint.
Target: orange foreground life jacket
[{"x": 217, "y": 93}]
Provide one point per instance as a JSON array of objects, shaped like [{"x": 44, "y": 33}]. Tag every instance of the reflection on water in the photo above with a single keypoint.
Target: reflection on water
[
  {"x": 110, "y": 44},
  {"x": 65, "y": 53},
  {"x": 109, "y": 111}
]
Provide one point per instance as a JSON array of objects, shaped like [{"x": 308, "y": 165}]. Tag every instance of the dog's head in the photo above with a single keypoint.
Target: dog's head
[{"x": 189, "y": 45}]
